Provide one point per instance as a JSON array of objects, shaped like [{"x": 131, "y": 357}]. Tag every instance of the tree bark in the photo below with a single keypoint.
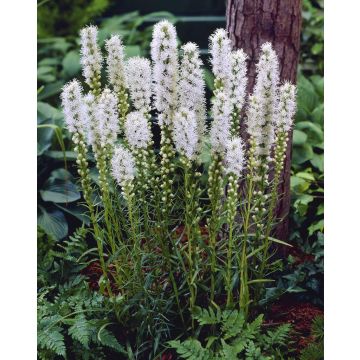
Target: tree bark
[{"x": 250, "y": 23}]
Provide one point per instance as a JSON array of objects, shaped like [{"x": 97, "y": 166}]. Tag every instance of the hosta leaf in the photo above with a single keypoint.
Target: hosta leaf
[
  {"x": 71, "y": 63},
  {"x": 299, "y": 137},
  {"x": 53, "y": 223},
  {"x": 60, "y": 191}
]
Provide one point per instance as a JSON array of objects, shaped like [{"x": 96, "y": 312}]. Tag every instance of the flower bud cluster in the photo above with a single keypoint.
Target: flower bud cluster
[{"x": 91, "y": 58}]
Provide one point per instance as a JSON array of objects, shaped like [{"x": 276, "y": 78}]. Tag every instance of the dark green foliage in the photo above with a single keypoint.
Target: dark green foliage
[
  {"x": 315, "y": 350},
  {"x": 234, "y": 338},
  {"x": 67, "y": 16}
]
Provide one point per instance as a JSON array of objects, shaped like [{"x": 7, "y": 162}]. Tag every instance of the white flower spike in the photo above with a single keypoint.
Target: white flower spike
[
  {"x": 192, "y": 85},
  {"x": 185, "y": 133},
  {"x": 287, "y": 106},
  {"x": 115, "y": 62},
  {"x": 139, "y": 80},
  {"x": 123, "y": 166},
  {"x": 234, "y": 157},
  {"x": 72, "y": 103},
  {"x": 91, "y": 58},
  {"x": 137, "y": 130},
  {"x": 220, "y": 50},
  {"x": 165, "y": 70},
  {"x": 220, "y": 128}
]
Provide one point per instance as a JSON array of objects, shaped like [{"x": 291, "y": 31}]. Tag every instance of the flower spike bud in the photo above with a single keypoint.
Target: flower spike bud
[
  {"x": 123, "y": 166},
  {"x": 165, "y": 71},
  {"x": 220, "y": 50},
  {"x": 108, "y": 118},
  {"x": 137, "y": 130},
  {"x": 234, "y": 157},
  {"x": 91, "y": 58},
  {"x": 139, "y": 80},
  {"x": 220, "y": 128},
  {"x": 72, "y": 103},
  {"x": 115, "y": 63},
  {"x": 238, "y": 79},
  {"x": 192, "y": 85},
  {"x": 185, "y": 133},
  {"x": 287, "y": 106}
]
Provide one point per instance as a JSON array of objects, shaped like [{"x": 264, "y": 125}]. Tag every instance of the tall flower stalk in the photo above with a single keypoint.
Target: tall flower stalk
[
  {"x": 76, "y": 118},
  {"x": 165, "y": 76},
  {"x": 186, "y": 141},
  {"x": 234, "y": 164}
]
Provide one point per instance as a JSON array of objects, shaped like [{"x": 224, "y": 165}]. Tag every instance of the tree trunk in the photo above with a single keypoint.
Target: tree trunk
[{"x": 250, "y": 23}]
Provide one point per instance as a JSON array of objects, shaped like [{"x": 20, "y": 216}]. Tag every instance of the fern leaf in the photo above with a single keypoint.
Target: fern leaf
[
  {"x": 53, "y": 340},
  {"x": 191, "y": 349},
  {"x": 253, "y": 328},
  {"x": 228, "y": 352},
  {"x": 206, "y": 317},
  {"x": 108, "y": 339},
  {"x": 81, "y": 330},
  {"x": 278, "y": 336},
  {"x": 232, "y": 323}
]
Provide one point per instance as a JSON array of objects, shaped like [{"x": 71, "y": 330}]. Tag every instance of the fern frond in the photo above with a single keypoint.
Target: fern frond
[
  {"x": 313, "y": 351},
  {"x": 279, "y": 336},
  {"x": 206, "y": 317},
  {"x": 107, "y": 338},
  {"x": 232, "y": 323},
  {"x": 191, "y": 349},
  {"x": 53, "y": 340},
  {"x": 253, "y": 328},
  {"x": 81, "y": 330}
]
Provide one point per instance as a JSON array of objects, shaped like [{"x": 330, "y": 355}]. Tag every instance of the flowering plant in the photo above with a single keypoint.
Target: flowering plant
[{"x": 162, "y": 218}]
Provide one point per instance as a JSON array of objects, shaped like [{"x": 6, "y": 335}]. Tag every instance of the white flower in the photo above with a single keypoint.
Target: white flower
[
  {"x": 261, "y": 131},
  {"x": 91, "y": 58},
  {"x": 287, "y": 106},
  {"x": 92, "y": 124},
  {"x": 123, "y": 166},
  {"x": 238, "y": 79},
  {"x": 72, "y": 103},
  {"x": 220, "y": 128},
  {"x": 267, "y": 80},
  {"x": 115, "y": 62},
  {"x": 234, "y": 160},
  {"x": 107, "y": 118},
  {"x": 220, "y": 50},
  {"x": 165, "y": 69},
  {"x": 263, "y": 104},
  {"x": 138, "y": 72},
  {"x": 192, "y": 85},
  {"x": 137, "y": 130},
  {"x": 185, "y": 133}
]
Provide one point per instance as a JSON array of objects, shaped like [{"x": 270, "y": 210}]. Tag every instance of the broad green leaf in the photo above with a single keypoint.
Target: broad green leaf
[
  {"x": 71, "y": 63},
  {"x": 53, "y": 223},
  {"x": 60, "y": 191},
  {"x": 318, "y": 226},
  {"x": 299, "y": 137},
  {"x": 298, "y": 184},
  {"x": 318, "y": 161},
  {"x": 132, "y": 50},
  {"x": 305, "y": 175},
  {"x": 302, "y": 153},
  {"x": 51, "y": 90}
]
